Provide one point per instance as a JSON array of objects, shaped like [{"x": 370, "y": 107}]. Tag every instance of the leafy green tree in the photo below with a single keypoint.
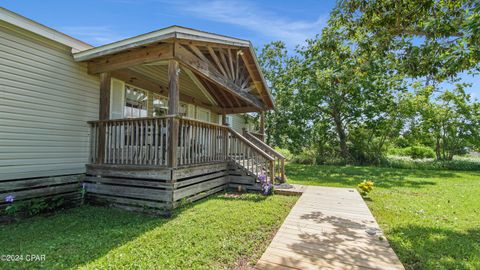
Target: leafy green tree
[
  {"x": 345, "y": 92},
  {"x": 451, "y": 119}
]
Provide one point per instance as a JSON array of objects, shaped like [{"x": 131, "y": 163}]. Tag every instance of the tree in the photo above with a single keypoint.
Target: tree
[
  {"x": 285, "y": 125},
  {"x": 345, "y": 92},
  {"x": 451, "y": 119}
]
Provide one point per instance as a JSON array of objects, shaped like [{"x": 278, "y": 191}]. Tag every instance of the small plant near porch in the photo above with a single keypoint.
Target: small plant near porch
[
  {"x": 365, "y": 187},
  {"x": 267, "y": 186}
]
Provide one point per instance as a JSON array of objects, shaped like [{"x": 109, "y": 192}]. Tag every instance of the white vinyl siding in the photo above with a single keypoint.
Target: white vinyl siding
[
  {"x": 238, "y": 122},
  {"x": 46, "y": 101}
]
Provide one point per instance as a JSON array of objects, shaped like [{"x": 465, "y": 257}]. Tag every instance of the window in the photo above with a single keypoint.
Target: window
[
  {"x": 203, "y": 115},
  {"x": 183, "y": 109},
  {"x": 229, "y": 120},
  {"x": 135, "y": 102},
  {"x": 160, "y": 106}
]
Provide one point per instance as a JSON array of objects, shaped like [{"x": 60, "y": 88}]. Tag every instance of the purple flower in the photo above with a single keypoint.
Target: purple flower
[
  {"x": 262, "y": 178},
  {"x": 9, "y": 199},
  {"x": 266, "y": 189}
]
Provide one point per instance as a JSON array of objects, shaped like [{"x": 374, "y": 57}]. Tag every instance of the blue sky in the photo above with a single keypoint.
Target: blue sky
[{"x": 104, "y": 21}]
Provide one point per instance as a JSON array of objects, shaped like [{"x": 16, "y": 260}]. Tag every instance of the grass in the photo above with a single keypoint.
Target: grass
[
  {"x": 430, "y": 217},
  {"x": 216, "y": 233}
]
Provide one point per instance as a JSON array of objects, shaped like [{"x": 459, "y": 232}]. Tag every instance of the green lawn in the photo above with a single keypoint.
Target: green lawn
[
  {"x": 431, "y": 218},
  {"x": 216, "y": 233}
]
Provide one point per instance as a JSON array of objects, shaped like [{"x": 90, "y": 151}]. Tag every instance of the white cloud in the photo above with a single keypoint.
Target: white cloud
[
  {"x": 95, "y": 35},
  {"x": 250, "y": 16}
]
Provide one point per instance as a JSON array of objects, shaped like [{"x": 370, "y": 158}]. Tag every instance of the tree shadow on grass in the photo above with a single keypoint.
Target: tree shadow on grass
[
  {"x": 76, "y": 236},
  {"x": 72, "y": 237},
  {"x": 350, "y": 176},
  {"x": 80, "y": 236}
]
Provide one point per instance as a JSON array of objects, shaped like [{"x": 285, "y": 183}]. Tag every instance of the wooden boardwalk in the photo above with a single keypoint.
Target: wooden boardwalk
[{"x": 329, "y": 228}]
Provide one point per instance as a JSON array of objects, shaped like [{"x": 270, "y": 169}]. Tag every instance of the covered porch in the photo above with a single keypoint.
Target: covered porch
[{"x": 159, "y": 158}]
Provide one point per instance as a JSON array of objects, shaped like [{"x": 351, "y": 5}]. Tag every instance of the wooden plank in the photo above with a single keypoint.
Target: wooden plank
[
  {"x": 178, "y": 194},
  {"x": 184, "y": 172},
  {"x": 104, "y": 111},
  {"x": 244, "y": 180},
  {"x": 43, "y": 191},
  {"x": 132, "y": 192},
  {"x": 129, "y": 201},
  {"x": 314, "y": 238},
  {"x": 130, "y": 171},
  {"x": 134, "y": 57},
  {"x": 200, "y": 196},
  {"x": 173, "y": 106},
  {"x": 38, "y": 182},
  {"x": 255, "y": 187},
  {"x": 129, "y": 182},
  {"x": 183, "y": 183}
]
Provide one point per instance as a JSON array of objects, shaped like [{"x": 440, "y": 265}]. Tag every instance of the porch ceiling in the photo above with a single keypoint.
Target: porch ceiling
[{"x": 216, "y": 71}]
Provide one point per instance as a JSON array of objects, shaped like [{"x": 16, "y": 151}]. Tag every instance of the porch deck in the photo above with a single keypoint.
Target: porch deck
[{"x": 329, "y": 228}]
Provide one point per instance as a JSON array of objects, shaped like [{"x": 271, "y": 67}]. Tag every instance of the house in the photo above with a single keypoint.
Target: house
[{"x": 144, "y": 123}]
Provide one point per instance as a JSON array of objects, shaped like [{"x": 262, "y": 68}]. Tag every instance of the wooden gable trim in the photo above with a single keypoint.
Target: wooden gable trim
[
  {"x": 209, "y": 72},
  {"x": 134, "y": 57},
  {"x": 256, "y": 77}
]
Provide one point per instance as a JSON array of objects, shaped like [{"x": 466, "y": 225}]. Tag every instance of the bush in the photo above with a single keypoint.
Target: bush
[
  {"x": 457, "y": 164},
  {"x": 419, "y": 152},
  {"x": 307, "y": 156},
  {"x": 415, "y": 152},
  {"x": 285, "y": 152}
]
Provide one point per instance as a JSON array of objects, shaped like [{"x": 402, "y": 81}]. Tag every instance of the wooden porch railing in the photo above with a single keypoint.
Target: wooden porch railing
[
  {"x": 279, "y": 162},
  {"x": 258, "y": 135},
  {"x": 141, "y": 141},
  {"x": 145, "y": 141},
  {"x": 249, "y": 156}
]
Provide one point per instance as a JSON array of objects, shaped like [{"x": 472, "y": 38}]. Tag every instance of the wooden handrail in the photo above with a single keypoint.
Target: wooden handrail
[
  {"x": 249, "y": 143},
  {"x": 270, "y": 150},
  {"x": 268, "y": 147},
  {"x": 130, "y": 119}
]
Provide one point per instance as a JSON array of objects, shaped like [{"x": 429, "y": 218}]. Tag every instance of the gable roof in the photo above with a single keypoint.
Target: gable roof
[
  {"x": 83, "y": 51},
  {"x": 173, "y": 31}
]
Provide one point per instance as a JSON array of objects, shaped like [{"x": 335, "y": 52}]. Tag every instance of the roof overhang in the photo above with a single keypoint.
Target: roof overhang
[
  {"x": 42, "y": 30},
  {"x": 173, "y": 34}
]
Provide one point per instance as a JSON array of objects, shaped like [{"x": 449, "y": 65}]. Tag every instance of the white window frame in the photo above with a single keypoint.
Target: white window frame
[{"x": 199, "y": 109}]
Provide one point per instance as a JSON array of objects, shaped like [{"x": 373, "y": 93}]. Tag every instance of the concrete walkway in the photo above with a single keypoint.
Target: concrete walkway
[{"x": 329, "y": 228}]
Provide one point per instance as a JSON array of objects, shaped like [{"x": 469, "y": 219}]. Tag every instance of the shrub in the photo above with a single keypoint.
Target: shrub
[
  {"x": 419, "y": 152},
  {"x": 415, "y": 152},
  {"x": 31, "y": 207},
  {"x": 365, "y": 187},
  {"x": 307, "y": 156},
  {"x": 285, "y": 152},
  {"x": 458, "y": 163}
]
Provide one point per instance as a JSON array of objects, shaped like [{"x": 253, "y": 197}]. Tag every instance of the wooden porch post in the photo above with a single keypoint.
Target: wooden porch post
[
  {"x": 262, "y": 125},
  {"x": 225, "y": 135},
  {"x": 173, "y": 106},
  {"x": 104, "y": 113}
]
